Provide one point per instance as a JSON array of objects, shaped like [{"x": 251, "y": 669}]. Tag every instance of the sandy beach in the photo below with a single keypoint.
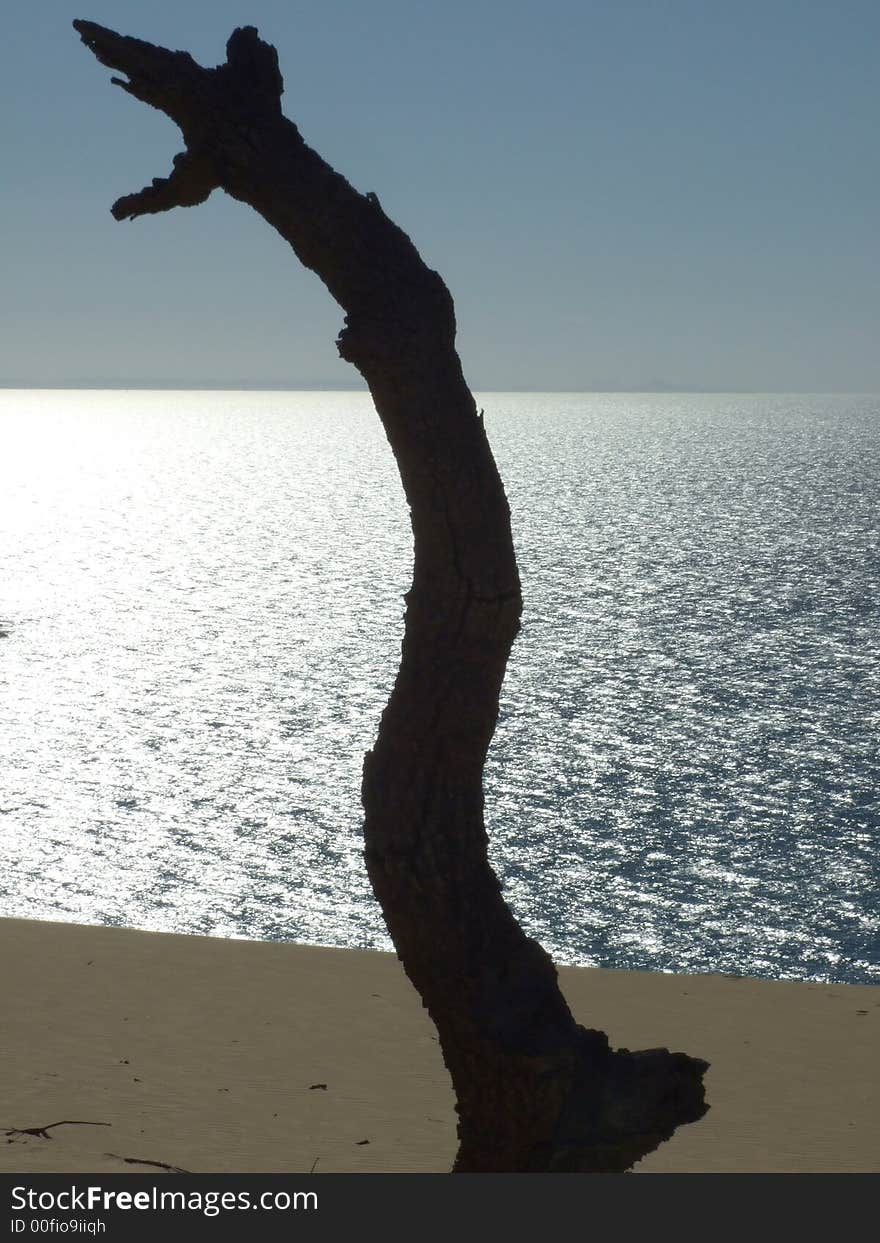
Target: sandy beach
[{"x": 210, "y": 1055}]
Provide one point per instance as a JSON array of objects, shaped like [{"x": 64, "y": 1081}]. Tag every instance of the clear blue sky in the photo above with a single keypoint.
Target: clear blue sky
[{"x": 617, "y": 192}]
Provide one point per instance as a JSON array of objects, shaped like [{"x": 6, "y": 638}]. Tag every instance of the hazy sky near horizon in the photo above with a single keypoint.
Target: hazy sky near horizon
[{"x": 618, "y": 193}]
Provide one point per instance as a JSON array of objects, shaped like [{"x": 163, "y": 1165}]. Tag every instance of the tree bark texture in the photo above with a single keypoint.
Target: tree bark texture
[{"x": 534, "y": 1090}]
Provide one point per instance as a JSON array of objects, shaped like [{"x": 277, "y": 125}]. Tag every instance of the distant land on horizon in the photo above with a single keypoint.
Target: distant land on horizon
[{"x": 280, "y": 386}]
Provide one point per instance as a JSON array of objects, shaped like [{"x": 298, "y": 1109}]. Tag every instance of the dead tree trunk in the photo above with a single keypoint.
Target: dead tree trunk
[{"x": 535, "y": 1091}]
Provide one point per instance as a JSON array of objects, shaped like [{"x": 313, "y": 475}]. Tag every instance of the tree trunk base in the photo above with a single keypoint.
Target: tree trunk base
[{"x": 593, "y": 1110}]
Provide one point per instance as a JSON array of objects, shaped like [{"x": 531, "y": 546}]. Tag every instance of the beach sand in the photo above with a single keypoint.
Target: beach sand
[{"x": 209, "y": 1055}]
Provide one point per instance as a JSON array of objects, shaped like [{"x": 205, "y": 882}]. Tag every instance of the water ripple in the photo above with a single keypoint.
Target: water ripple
[{"x": 201, "y": 622}]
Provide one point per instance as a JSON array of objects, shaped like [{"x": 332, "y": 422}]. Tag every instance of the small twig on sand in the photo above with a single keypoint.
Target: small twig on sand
[
  {"x": 159, "y": 1165},
  {"x": 41, "y": 1132}
]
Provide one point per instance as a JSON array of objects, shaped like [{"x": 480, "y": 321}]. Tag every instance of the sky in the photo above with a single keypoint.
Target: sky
[{"x": 620, "y": 194}]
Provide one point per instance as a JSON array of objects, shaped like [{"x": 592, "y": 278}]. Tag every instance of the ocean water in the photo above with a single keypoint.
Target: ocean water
[{"x": 201, "y": 612}]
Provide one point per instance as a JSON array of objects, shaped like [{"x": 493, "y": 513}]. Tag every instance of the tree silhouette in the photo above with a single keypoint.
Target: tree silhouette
[{"x": 535, "y": 1091}]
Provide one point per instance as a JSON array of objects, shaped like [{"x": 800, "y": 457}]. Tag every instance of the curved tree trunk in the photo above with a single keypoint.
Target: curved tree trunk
[{"x": 535, "y": 1091}]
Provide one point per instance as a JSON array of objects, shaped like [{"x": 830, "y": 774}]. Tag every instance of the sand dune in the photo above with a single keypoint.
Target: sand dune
[{"x": 210, "y": 1055}]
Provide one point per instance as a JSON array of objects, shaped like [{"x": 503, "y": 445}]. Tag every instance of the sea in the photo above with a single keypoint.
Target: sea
[{"x": 201, "y": 608}]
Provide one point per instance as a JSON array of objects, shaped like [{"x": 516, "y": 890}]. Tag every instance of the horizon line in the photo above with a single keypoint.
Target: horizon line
[{"x": 246, "y": 386}]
